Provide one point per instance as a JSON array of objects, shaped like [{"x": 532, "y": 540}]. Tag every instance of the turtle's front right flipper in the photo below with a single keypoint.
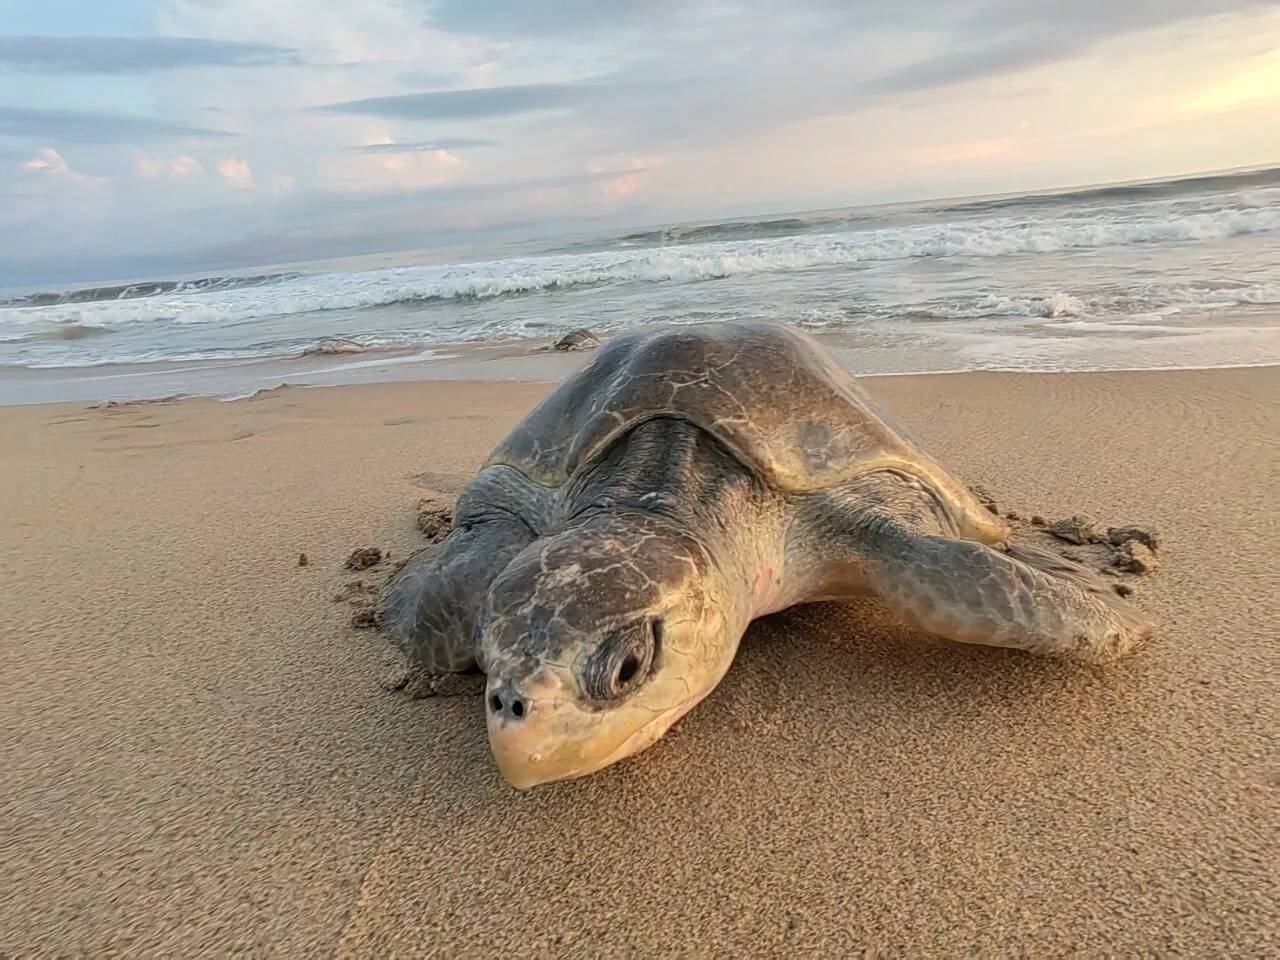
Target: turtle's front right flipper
[
  {"x": 430, "y": 606},
  {"x": 1028, "y": 599}
]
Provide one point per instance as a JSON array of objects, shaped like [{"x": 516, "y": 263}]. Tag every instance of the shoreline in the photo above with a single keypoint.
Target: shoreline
[
  {"x": 544, "y": 378},
  {"x": 502, "y": 361}
]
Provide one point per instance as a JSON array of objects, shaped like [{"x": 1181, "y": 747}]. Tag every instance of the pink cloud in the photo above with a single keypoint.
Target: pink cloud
[
  {"x": 150, "y": 168},
  {"x": 237, "y": 171},
  {"x": 50, "y": 163},
  {"x": 627, "y": 183}
]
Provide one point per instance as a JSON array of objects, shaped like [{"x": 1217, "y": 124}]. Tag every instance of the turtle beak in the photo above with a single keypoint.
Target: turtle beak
[
  {"x": 531, "y": 735},
  {"x": 519, "y": 758},
  {"x": 539, "y": 735},
  {"x": 541, "y": 739},
  {"x": 514, "y": 736}
]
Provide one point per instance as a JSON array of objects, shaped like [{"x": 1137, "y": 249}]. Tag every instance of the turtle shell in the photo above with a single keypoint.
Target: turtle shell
[{"x": 769, "y": 393}]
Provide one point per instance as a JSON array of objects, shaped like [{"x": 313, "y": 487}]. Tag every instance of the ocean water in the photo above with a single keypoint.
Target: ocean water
[{"x": 1156, "y": 275}]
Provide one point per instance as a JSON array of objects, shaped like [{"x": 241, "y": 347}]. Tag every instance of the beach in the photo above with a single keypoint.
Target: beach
[{"x": 202, "y": 757}]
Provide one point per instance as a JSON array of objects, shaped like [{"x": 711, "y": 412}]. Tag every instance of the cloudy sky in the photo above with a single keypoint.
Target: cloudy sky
[{"x": 164, "y": 135}]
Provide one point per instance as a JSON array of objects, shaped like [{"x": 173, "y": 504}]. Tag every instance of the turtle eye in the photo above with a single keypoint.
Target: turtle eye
[
  {"x": 627, "y": 671},
  {"x": 623, "y": 661}
]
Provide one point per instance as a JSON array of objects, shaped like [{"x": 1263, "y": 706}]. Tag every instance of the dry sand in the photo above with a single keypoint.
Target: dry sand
[{"x": 199, "y": 758}]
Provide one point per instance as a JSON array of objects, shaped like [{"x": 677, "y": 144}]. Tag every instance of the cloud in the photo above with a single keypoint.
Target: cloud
[
  {"x": 486, "y": 102},
  {"x": 555, "y": 17},
  {"x": 86, "y": 127},
  {"x": 929, "y": 45},
  {"x": 51, "y": 164},
  {"x": 462, "y": 114},
  {"x": 169, "y": 168},
  {"x": 624, "y": 185},
  {"x": 425, "y": 146},
  {"x": 1000, "y": 37},
  {"x": 236, "y": 170},
  {"x": 46, "y": 160},
  {"x": 962, "y": 65},
  {"x": 426, "y": 78},
  {"x": 442, "y": 159},
  {"x": 742, "y": 70},
  {"x": 404, "y": 168},
  {"x": 123, "y": 55}
]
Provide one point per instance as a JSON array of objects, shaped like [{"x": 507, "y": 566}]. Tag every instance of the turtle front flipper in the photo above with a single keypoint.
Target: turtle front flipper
[
  {"x": 430, "y": 606},
  {"x": 971, "y": 593}
]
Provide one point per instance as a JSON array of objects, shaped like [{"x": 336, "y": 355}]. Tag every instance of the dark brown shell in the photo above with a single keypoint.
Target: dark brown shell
[{"x": 769, "y": 393}]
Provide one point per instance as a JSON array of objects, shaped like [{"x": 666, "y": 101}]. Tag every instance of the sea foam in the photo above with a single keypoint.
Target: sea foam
[{"x": 303, "y": 294}]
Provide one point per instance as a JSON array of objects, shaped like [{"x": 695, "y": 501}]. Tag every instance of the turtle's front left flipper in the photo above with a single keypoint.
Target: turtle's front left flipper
[
  {"x": 972, "y": 593},
  {"x": 430, "y": 606}
]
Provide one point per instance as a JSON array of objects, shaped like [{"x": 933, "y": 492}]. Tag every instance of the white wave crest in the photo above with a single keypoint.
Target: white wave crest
[
  {"x": 1061, "y": 305},
  {"x": 687, "y": 264}
]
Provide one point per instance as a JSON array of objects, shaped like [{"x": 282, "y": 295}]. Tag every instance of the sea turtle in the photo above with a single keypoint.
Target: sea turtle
[{"x": 611, "y": 552}]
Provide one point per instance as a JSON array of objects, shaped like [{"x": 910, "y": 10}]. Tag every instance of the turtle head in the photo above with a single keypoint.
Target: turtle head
[{"x": 595, "y": 641}]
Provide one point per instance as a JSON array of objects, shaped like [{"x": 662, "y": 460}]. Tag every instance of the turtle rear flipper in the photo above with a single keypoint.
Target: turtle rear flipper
[{"x": 1027, "y": 599}]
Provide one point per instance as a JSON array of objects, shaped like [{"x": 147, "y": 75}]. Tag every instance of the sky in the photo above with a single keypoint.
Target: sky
[{"x": 146, "y": 137}]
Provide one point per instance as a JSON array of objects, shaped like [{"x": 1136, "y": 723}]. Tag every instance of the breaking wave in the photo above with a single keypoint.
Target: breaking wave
[
  {"x": 204, "y": 302},
  {"x": 149, "y": 288},
  {"x": 64, "y": 331},
  {"x": 1242, "y": 189},
  {"x": 734, "y": 230},
  {"x": 1125, "y": 193}
]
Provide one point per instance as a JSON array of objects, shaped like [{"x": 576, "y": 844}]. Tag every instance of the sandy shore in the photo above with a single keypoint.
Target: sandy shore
[{"x": 199, "y": 758}]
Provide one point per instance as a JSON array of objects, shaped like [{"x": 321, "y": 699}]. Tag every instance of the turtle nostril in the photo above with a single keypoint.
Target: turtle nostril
[{"x": 505, "y": 703}]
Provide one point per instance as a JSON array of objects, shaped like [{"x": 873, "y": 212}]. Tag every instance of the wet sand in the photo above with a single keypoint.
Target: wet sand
[{"x": 200, "y": 758}]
